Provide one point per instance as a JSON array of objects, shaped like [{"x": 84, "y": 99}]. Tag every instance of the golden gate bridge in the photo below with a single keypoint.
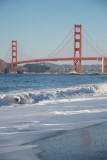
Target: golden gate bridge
[{"x": 77, "y": 56}]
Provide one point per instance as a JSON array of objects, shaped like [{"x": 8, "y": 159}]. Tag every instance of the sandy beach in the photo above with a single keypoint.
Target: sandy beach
[{"x": 89, "y": 143}]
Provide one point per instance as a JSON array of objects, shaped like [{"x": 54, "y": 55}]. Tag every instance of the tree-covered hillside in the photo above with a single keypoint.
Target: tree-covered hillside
[{"x": 37, "y": 68}]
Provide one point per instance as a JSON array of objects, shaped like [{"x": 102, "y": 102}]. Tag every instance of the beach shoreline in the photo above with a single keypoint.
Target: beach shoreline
[
  {"x": 55, "y": 123},
  {"x": 88, "y": 143}
]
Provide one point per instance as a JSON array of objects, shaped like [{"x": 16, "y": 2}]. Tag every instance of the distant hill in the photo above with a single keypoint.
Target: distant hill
[
  {"x": 4, "y": 67},
  {"x": 44, "y": 67},
  {"x": 37, "y": 68},
  {"x": 56, "y": 68}
]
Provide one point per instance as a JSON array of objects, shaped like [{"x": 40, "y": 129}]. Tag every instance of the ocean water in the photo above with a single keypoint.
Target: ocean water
[{"x": 35, "y": 89}]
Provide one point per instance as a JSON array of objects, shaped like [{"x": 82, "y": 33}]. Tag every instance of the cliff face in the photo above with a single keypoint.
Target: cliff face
[{"x": 4, "y": 67}]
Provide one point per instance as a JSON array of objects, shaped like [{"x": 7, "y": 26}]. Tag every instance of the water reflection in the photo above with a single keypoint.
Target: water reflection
[{"x": 85, "y": 141}]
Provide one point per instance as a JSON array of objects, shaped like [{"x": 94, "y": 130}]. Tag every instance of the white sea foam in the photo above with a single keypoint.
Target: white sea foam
[{"x": 46, "y": 95}]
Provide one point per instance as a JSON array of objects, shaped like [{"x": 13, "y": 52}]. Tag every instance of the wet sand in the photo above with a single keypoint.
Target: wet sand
[{"x": 89, "y": 143}]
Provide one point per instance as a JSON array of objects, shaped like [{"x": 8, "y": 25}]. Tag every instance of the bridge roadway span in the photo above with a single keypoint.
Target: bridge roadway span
[{"x": 60, "y": 59}]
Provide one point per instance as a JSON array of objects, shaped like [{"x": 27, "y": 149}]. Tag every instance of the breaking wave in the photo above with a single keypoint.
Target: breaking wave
[{"x": 32, "y": 97}]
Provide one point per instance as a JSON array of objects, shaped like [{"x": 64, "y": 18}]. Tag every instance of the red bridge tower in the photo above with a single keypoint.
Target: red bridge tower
[
  {"x": 14, "y": 57},
  {"x": 77, "y": 48}
]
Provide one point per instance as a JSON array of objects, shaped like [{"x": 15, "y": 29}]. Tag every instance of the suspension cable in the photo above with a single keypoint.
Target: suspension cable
[
  {"x": 23, "y": 52},
  {"x": 61, "y": 43},
  {"x": 94, "y": 42},
  {"x": 63, "y": 46},
  {"x": 7, "y": 55},
  {"x": 92, "y": 46}
]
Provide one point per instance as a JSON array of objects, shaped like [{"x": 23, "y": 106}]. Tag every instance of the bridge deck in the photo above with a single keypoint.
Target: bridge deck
[{"x": 60, "y": 59}]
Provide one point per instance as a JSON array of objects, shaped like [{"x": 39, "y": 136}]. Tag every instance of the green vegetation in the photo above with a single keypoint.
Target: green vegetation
[{"x": 37, "y": 68}]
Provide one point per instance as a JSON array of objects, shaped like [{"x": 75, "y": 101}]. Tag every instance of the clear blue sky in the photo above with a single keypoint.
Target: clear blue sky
[{"x": 40, "y": 25}]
